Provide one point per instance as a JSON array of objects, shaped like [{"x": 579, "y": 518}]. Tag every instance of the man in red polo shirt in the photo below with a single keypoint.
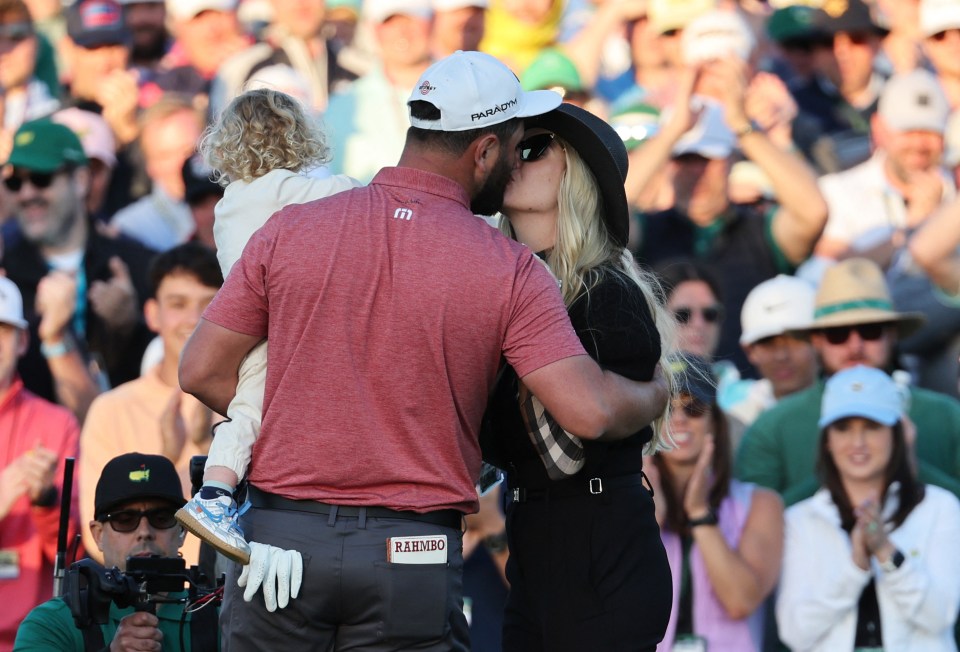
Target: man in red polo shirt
[
  {"x": 35, "y": 438},
  {"x": 389, "y": 309}
]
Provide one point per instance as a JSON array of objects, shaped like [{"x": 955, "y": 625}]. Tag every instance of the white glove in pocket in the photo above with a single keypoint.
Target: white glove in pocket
[{"x": 278, "y": 571}]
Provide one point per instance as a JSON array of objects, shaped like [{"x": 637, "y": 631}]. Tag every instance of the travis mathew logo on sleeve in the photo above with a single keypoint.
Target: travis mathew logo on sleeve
[{"x": 498, "y": 108}]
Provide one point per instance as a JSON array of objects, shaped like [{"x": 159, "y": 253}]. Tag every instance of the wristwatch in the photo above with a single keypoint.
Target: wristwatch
[
  {"x": 709, "y": 519},
  {"x": 57, "y": 349},
  {"x": 894, "y": 562}
]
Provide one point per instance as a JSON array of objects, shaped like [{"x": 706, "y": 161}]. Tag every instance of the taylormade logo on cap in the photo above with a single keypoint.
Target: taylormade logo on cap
[{"x": 474, "y": 90}]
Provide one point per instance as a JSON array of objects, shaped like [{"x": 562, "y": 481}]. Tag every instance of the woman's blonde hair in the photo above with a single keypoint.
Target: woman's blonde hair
[
  {"x": 259, "y": 131},
  {"x": 585, "y": 252}
]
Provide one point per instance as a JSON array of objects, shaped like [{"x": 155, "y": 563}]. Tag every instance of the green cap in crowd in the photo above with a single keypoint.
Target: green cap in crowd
[{"x": 45, "y": 146}]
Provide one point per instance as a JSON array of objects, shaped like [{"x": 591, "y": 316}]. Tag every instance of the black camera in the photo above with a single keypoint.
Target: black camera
[{"x": 89, "y": 588}]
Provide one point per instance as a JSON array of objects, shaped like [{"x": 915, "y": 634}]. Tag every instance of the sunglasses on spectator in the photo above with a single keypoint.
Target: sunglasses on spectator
[
  {"x": 859, "y": 38},
  {"x": 39, "y": 180},
  {"x": 128, "y": 520},
  {"x": 534, "y": 147},
  {"x": 16, "y": 32},
  {"x": 710, "y": 314},
  {"x": 694, "y": 409},
  {"x": 806, "y": 44},
  {"x": 867, "y": 332},
  {"x": 942, "y": 36}
]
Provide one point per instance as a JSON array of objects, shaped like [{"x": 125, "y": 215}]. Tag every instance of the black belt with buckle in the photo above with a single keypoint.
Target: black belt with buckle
[
  {"x": 578, "y": 487},
  {"x": 261, "y": 499}
]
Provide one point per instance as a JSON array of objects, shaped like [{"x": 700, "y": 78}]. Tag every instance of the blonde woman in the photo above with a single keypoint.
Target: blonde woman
[
  {"x": 587, "y": 569},
  {"x": 268, "y": 152}
]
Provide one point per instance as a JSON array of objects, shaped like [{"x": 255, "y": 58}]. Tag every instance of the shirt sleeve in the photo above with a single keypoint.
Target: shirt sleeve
[
  {"x": 65, "y": 435},
  {"x": 538, "y": 332},
  {"x": 49, "y": 627},
  {"x": 757, "y": 460},
  {"x": 241, "y": 304},
  {"x": 819, "y": 584},
  {"x": 616, "y": 327}
]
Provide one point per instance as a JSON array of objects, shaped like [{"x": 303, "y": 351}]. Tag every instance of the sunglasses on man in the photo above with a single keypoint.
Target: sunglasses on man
[
  {"x": 128, "y": 520},
  {"x": 39, "y": 180},
  {"x": 867, "y": 332}
]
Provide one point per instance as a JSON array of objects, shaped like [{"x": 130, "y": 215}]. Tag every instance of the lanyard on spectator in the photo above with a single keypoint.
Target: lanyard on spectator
[
  {"x": 80, "y": 314},
  {"x": 685, "y": 604}
]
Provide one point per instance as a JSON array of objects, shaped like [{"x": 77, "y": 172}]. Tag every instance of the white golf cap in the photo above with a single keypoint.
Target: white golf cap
[
  {"x": 777, "y": 306},
  {"x": 914, "y": 101},
  {"x": 11, "y": 304},
  {"x": 710, "y": 137},
  {"x": 473, "y": 90},
  {"x": 378, "y": 11},
  {"x": 188, "y": 9},
  {"x": 715, "y": 35},
  {"x": 939, "y": 16}
]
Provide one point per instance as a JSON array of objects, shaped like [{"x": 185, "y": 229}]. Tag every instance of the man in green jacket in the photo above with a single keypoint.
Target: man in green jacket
[
  {"x": 854, "y": 323},
  {"x": 136, "y": 499}
]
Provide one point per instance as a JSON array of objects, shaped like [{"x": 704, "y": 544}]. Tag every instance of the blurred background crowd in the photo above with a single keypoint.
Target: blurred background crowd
[{"x": 793, "y": 179}]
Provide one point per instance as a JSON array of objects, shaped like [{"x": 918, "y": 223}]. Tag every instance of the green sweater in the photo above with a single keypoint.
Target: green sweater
[
  {"x": 779, "y": 450},
  {"x": 50, "y": 627}
]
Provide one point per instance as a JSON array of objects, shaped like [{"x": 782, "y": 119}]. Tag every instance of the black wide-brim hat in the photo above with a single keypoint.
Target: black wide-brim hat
[{"x": 603, "y": 151}]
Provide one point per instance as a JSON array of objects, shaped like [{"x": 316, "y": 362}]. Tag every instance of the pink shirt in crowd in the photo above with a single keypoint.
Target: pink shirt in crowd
[{"x": 28, "y": 534}]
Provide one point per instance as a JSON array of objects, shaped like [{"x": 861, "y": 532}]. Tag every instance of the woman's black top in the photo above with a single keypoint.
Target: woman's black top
[{"x": 617, "y": 330}]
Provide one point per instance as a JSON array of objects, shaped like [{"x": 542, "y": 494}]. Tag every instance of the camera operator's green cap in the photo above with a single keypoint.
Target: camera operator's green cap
[
  {"x": 45, "y": 146},
  {"x": 136, "y": 476}
]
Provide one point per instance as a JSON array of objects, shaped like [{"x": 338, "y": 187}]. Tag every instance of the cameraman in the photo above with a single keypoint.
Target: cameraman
[{"x": 135, "y": 501}]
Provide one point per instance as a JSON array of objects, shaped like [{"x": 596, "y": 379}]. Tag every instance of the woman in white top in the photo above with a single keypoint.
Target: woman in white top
[{"x": 871, "y": 560}]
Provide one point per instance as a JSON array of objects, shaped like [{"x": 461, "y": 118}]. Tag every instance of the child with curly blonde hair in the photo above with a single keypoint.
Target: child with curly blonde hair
[{"x": 269, "y": 153}]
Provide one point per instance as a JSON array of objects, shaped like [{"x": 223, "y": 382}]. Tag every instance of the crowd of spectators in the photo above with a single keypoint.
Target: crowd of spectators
[{"x": 793, "y": 182}]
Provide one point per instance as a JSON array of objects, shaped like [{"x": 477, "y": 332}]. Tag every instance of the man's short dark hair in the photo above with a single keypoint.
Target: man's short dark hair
[
  {"x": 454, "y": 142},
  {"x": 193, "y": 258}
]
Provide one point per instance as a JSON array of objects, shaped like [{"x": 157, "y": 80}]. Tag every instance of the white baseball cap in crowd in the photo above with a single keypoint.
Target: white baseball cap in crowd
[
  {"x": 187, "y": 9},
  {"x": 378, "y": 11},
  {"x": 710, "y": 137},
  {"x": 715, "y": 35},
  {"x": 93, "y": 131},
  {"x": 474, "y": 90},
  {"x": 861, "y": 392},
  {"x": 777, "y": 306},
  {"x": 914, "y": 101},
  {"x": 11, "y": 304},
  {"x": 669, "y": 15},
  {"x": 938, "y": 16}
]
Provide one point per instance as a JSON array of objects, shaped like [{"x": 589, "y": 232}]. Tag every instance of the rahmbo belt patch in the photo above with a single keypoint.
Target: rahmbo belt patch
[{"x": 431, "y": 549}]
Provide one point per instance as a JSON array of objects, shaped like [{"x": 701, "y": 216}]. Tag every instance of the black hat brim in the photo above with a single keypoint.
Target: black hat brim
[{"x": 602, "y": 149}]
